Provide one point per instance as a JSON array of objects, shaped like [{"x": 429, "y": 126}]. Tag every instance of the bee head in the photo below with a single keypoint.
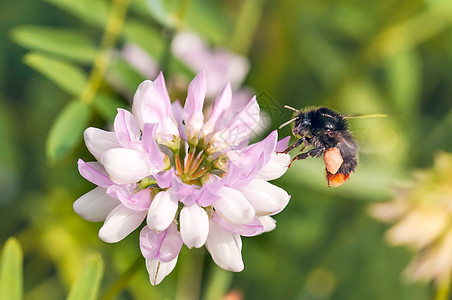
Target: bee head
[{"x": 302, "y": 124}]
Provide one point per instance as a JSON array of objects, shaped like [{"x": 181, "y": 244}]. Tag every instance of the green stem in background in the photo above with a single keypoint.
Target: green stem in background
[
  {"x": 443, "y": 290},
  {"x": 123, "y": 280},
  {"x": 182, "y": 10},
  {"x": 246, "y": 25},
  {"x": 218, "y": 283},
  {"x": 169, "y": 33},
  {"x": 190, "y": 274},
  {"x": 113, "y": 28}
]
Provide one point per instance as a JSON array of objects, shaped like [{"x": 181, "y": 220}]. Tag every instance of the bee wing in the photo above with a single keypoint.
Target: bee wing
[{"x": 375, "y": 135}]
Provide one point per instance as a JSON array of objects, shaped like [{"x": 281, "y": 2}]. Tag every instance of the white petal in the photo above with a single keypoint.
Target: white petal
[
  {"x": 234, "y": 206},
  {"x": 268, "y": 222},
  {"x": 159, "y": 270},
  {"x": 276, "y": 167},
  {"x": 98, "y": 141},
  {"x": 119, "y": 223},
  {"x": 126, "y": 165},
  {"x": 225, "y": 248},
  {"x": 194, "y": 226},
  {"x": 418, "y": 228},
  {"x": 162, "y": 211},
  {"x": 95, "y": 205},
  {"x": 265, "y": 197}
]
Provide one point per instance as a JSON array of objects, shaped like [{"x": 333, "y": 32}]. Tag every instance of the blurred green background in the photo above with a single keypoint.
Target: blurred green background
[{"x": 357, "y": 57}]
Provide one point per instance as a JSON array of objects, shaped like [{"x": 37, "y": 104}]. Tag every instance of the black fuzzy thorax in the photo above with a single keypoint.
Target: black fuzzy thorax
[{"x": 317, "y": 124}]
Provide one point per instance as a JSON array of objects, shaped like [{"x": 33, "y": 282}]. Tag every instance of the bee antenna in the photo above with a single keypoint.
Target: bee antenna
[
  {"x": 287, "y": 123},
  {"x": 291, "y": 108},
  {"x": 365, "y": 116}
]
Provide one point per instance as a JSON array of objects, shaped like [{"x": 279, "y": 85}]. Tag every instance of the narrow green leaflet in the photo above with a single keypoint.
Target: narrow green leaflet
[
  {"x": 69, "y": 77},
  {"x": 87, "y": 284},
  {"x": 67, "y": 130},
  {"x": 11, "y": 274},
  {"x": 93, "y": 12},
  {"x": 69, "y": 43},
  {"x": 107, "y": 106}
]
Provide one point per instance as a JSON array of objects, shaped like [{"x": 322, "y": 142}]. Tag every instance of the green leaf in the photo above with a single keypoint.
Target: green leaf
[
  {"x": 65, "y": 42},
  {"x": 208, "y": 20},
  {"x": 145, "y": 36},
  {"x": 11, "y": 274},
  {"x": 162, "y": 11},
  {"x": 67, "y": 76},
  {"x": 87, "y": 284},
  {"x": 67, "y": 130},
  {"x": 107, "y": 106},
  {"x": 93, "y": 12}
]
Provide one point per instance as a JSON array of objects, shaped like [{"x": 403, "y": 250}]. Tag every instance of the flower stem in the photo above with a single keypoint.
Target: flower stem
[
  {"x": 246, "y": 25},
  {"x": 123, "y": 280},
  {"x": 190, "y": 274},
  {"x": 443, "y": 290},
  {"x": 218, "y": 283},
  {"x": 113, "y": 28}
]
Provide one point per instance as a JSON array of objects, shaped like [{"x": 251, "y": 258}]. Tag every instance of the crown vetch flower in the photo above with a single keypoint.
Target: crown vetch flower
[{"x": 195, "y": 180}]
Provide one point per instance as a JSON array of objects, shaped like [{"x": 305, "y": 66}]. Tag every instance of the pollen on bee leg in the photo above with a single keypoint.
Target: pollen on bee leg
[
  {"x": 336, "y": 179},
  {"x": 333, "y": 160}
]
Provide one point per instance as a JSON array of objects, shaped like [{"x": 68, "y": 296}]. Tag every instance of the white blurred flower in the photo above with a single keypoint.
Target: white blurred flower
[{"x": 423, "y": 221}]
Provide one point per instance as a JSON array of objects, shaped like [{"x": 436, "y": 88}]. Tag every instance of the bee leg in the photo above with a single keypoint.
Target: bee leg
[
  {"x": 294, "y": 145},
  {"x": 313, "y": 153}
]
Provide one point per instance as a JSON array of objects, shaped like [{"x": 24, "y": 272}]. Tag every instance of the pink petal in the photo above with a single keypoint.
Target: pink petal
[
  {"x": 221, "y": 106},
  {"x": 126, "y": 165},
  {"x": 159, "y": 270},
  {"x": 194, "y": 226},
  {"x": 151, "y": 104},
  {"x": 177, "y": 111},
  {"x": 225, "y": 248},
  {"x": 151, "y": 146},
  {"x": 171, "y": 245},
  {"x": 98, "y": 141},
  {"x": 282, "y": 144},
  {"x": 126, "y": 128},
  {"x": 265, "y": 197},
  {"x": 119, "y": 223},
  {"x": 192, "y": 113},
  {"x": 140, "y": 60},
  {"x": 233, "y": 206},
  {"x": 275, "y": 168},
  {"x": 165, "y": 178},
  {"x": 246, "y": 163},
  {"x": 139, "y": 201},
  {"x": 162, "y": 210},
  {"x": 150, "y": 242},
  {"x": 95, "y": 205},
  {"x": 209, "y": 192},
  {"x": 95, "y": 173},
  {"x": 251, "y": 229},
  {"x": 240, "y": 127}
]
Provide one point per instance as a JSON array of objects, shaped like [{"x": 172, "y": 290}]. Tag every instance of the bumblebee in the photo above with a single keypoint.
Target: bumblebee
[{"x": 326, "y": 131}]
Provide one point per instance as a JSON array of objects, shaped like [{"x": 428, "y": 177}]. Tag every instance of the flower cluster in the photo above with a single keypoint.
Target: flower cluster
[
  {"x": 423, "y": 216},
  {"x": 195, "y": 181}
]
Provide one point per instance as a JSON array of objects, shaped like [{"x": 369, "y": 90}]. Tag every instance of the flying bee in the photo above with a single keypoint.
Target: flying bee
[{"x": 327, "y": 132}]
